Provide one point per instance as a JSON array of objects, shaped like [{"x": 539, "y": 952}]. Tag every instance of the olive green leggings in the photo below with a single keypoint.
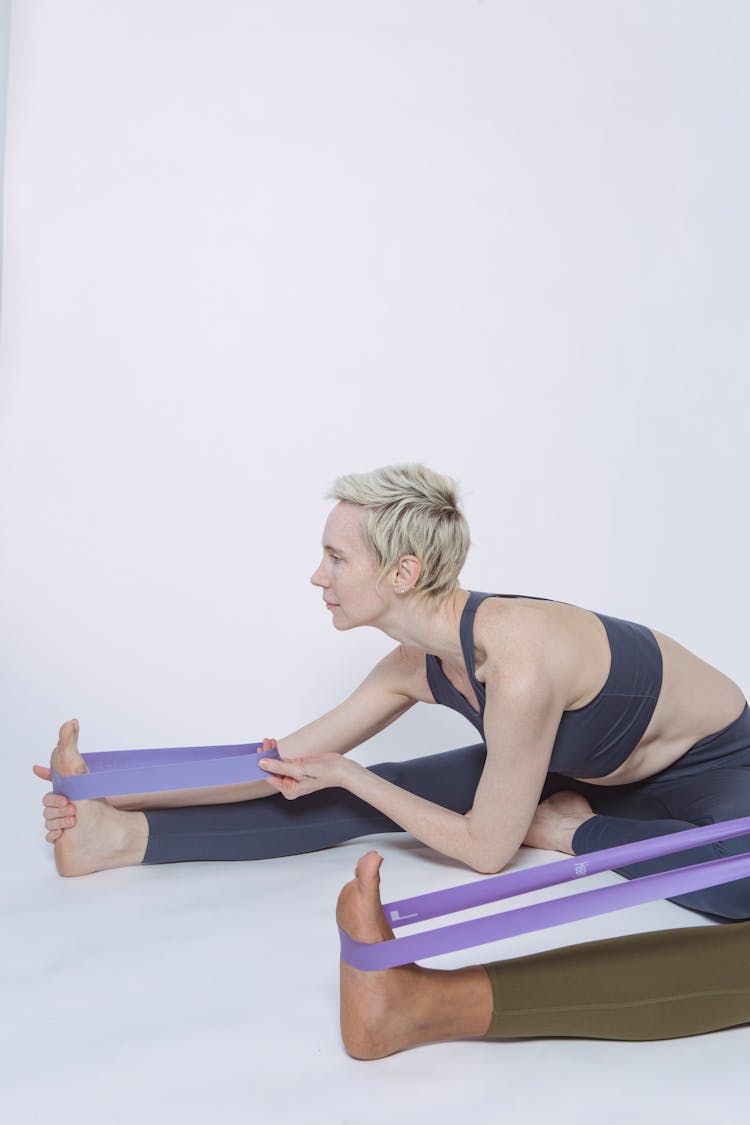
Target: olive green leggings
[{"x": 658, "y": 985}]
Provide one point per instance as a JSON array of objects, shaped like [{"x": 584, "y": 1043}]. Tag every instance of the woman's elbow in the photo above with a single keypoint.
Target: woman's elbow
[
  {"x": 487, "y": 863},
  {"x": 483, "y": 853}
]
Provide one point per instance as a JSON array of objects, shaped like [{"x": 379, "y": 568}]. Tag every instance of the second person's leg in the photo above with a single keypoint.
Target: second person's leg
[{"x": 644, "y": 986}]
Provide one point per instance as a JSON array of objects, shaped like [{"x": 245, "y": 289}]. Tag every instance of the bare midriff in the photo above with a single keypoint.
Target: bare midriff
[{"x": 695, "y": 700}]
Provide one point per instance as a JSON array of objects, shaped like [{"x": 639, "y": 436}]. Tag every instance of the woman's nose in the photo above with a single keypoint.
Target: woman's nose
[{"x": 316, "y": 578}]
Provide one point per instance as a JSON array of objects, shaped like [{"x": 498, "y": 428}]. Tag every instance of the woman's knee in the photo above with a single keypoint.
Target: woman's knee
[{"x": 448, "y": 779}]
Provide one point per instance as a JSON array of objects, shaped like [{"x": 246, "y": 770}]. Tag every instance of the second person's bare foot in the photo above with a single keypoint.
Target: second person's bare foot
[
  {"x": 101, "y": 837},
  {"x": 388, "y": 1010}
]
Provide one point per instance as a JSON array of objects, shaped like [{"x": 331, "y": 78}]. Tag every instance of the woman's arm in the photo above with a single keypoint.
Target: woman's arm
[
  {"x": 521, "y": 718},
  {"x": 384, "y": 695},
  {"x": 379, "y": 700}
]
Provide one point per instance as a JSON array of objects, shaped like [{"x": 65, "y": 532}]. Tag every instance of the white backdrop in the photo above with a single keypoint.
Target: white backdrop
[{"x": 249, "y": 246}]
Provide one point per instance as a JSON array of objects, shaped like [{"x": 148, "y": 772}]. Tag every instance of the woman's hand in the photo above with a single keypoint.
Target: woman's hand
[
  {"x": 298, "y": 777},
  {"x": 59, "y": 812}
]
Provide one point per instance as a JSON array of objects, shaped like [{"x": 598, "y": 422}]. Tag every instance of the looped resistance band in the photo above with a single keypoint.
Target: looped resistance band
[
  {"x": 113, "y": 773},
  {"x": 540, "y": 916}
]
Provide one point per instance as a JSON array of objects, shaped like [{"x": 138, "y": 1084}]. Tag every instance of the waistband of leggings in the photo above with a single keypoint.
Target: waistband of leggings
[
  {"x": 721, "y": 744},
  {"x": 728, "y": 730}
]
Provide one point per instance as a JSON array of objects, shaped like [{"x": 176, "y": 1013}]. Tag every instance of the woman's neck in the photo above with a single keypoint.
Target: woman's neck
[{"x": 436, "y": 632}]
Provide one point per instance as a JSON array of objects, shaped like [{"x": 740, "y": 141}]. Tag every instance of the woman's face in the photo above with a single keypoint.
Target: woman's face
[{"x": 347, "y": 573}]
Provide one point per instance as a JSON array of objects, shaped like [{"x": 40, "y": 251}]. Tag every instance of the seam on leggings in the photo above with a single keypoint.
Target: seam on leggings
[
  {"x": 608, "y": 1007},
  {"x": 213, "y": 833}
]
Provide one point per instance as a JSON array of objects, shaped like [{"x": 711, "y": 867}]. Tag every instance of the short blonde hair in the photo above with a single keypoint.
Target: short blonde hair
[{"x": 412, "y": 510}]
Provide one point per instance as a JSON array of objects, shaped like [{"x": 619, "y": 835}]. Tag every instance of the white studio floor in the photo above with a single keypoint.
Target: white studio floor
[{"x": 198, "y": 992}]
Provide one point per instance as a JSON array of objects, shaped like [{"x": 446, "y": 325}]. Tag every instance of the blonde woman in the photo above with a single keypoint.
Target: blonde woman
[{"x": 594, "y": 731}]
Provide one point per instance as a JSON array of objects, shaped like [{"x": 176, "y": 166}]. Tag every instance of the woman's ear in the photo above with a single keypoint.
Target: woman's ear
[{"x": 407, "y": 574}]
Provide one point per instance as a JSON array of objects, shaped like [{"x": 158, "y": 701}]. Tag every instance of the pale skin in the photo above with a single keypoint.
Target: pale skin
[{"x": 536, "y": 660}]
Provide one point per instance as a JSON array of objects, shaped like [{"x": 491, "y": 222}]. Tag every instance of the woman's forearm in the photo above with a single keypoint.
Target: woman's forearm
[
  {"x": 447, "y": 832},
  {"x": 178, "y": 798}
]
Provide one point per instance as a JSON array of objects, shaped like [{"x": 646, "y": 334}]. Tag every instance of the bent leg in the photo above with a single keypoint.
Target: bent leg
[
  {"x": 708, "y": 784},
  {"x": 671, "y": 804},
  {"x": 277, "y": 827}
]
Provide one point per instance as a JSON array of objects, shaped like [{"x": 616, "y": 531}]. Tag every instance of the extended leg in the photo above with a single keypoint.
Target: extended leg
[
  {"x": 105, "y": 837},
  {"x": 660, "y": 985},
  {"x": 276, "y": 827},
  {"x": 646, "y": 986}
]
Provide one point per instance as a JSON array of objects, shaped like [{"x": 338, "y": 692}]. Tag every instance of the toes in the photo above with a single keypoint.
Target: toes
[
  {"x": 69, "y": 734},
  {"x": 61, "y": 807},
  {"x": 368, "y": 867},
  {"x": 60, "y": 823},
  {"x": 55, "y": 822},
  {"x": 55, "y": 800},
  {"x": 58, "y": 812},
  {"x": 66, "y": 757}
]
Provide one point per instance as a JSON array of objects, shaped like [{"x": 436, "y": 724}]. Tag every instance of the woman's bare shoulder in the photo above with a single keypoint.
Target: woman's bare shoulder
[
  {"x": 411, "y": 667},
  {"x": 508, "y": 622},
  {"x": 515, "y": 634}
]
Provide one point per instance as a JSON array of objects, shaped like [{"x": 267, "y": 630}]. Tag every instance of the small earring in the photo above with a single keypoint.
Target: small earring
[{"x": 405, "y": 590}]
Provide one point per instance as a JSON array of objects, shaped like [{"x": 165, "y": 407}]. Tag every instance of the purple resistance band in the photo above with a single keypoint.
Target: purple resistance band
[
  {"x": 540, "y": 916},
  {"x": 116, "y": 772},
  {"x": 119, "y": 772}
]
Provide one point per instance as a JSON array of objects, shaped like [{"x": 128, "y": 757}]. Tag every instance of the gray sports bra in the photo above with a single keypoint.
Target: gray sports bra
[{"x": 591, "y": 741}]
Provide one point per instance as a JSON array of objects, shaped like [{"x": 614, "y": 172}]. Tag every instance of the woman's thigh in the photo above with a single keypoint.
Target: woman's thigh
[{"x": 707, "y": 798}]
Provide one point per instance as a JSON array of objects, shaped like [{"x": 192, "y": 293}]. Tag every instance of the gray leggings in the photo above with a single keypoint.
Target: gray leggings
[{"x": 708, "y": 784}]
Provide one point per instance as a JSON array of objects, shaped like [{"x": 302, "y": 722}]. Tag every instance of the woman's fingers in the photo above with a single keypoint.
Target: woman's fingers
[
  {"x": 286, "y": 768},
  {"x": 292, "y": 779},
  {"x": 286, "y": 776},
  {"x": 52, "y": 836},
  {"x": 278, "y": 783},
  {"x": 287, "y": 786},
  {"x": 42, "y": 771}
]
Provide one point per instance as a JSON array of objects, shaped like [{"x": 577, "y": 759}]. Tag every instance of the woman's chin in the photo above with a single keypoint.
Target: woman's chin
[{"x": 341, "y": 623}]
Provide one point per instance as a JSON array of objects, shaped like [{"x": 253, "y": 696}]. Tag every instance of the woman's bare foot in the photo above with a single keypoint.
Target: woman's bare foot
[
  {"x": 386, "y": 1011},
  {"x": 556, "y": 821},
  {"x": 94, "y": 836}
]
